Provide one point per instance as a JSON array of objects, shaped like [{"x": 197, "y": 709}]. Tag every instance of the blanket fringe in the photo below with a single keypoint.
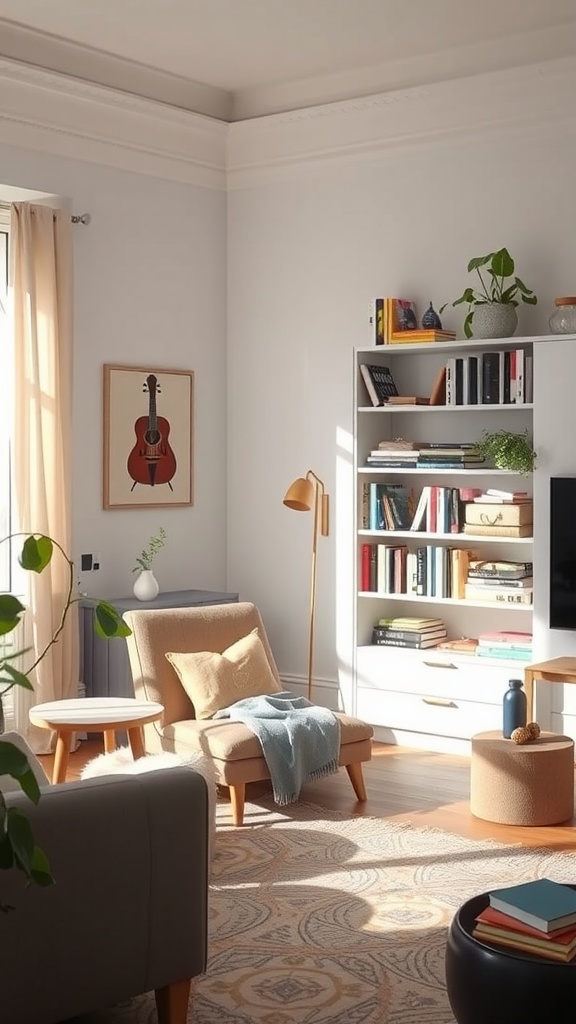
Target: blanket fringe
[{"x": 290, "y": 798}]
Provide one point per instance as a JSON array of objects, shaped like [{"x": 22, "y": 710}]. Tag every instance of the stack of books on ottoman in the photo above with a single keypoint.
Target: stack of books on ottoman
[
  {"x": 407, "y": 631},
  {"x": 537, "y": 917}
]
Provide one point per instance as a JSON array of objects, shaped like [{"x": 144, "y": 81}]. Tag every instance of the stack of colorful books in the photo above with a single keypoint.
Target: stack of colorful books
[
  {"x": 504, "y": 582},
  {"x": 511, "y": 644},
  {"x": 537, "y": 917}
]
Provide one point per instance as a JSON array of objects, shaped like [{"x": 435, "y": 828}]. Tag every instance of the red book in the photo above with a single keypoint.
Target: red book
[
  {"x": 365, "y": 567},
  {"x": 497, "y": 919}
]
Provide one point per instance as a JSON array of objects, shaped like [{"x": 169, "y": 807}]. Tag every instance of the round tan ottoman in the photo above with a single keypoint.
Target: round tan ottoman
[{"x": 527, "y": 784}]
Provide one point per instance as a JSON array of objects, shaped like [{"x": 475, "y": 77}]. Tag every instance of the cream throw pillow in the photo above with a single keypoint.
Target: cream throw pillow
[{"x": 215, "y": 681}]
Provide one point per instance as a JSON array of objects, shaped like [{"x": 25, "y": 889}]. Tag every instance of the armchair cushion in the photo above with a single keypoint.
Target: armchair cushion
[{"x": 214, "y": 681}]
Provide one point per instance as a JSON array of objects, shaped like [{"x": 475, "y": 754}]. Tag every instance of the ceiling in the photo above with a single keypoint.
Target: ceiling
[{"x": 236, "y": 59}]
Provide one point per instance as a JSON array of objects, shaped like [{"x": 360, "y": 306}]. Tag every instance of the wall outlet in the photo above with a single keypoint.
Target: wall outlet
[
  {"x": 86, "y": 563},
  {"x": 96, "y": 563}
]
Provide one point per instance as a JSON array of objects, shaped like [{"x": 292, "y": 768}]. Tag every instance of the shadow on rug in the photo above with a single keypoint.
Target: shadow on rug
[{"x": 322, "y": 918}]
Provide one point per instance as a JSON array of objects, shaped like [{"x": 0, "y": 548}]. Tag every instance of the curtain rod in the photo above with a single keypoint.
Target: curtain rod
[{"x": 76, "y": 218}]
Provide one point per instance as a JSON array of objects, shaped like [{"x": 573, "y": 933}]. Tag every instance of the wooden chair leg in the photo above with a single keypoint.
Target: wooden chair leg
[
  {"x": 172, "y": 1002},
  {"x": 357, "y": 779},
  {"x": 237, "y": 798}
]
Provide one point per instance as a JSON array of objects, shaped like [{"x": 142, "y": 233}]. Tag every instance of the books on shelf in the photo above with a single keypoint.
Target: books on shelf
[
  {"x": 505, "y": 569},
  {"x": 376, "y": 322},
  {"x": 513, "y": 514},
  {"x": 462, "y": 645},
  {"x": 542, "y": 904},
  {"x": 498, "y": 595},
  {"x": 416, "y": 643},
  {"x": 407, "y": 400},
  {"x": 379, "y": 383},
  {"x": 489, "y": 378},
  {"x": 411, "y": 622},
  {"x": 514, "y": 639},
  {"x": 498, "y": 531}
]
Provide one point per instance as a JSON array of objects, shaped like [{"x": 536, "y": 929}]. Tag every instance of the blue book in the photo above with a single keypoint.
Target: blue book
[{"x": 543, "y": 904}]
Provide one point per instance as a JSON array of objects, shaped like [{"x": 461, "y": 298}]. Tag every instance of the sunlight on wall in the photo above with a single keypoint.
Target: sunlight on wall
[{"x": 343, "y": 521}]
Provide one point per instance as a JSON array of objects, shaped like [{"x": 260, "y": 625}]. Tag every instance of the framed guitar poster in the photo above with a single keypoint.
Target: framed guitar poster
[{"x": 148, "y": 437}]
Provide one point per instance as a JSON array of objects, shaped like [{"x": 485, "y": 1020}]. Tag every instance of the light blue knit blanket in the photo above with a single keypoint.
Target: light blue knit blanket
[{"x": 300, "y": 741}]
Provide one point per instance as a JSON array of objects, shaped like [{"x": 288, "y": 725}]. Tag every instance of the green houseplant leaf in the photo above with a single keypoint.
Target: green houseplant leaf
[{"x": 17, "y": 846}]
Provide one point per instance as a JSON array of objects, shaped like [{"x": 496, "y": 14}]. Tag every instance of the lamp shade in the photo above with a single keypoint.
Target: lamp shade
[{"x": 300, "y": 495}]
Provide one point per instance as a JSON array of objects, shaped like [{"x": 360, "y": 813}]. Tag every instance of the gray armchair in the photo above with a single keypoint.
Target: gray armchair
[{"x": 128, "y": 911}]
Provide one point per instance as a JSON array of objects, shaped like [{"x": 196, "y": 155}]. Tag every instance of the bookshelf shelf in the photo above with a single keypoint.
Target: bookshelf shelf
[
  {"x": 419, "y": 410},
  {"x": 462, "y": 538},
  {"x": 443, "y": 680}
]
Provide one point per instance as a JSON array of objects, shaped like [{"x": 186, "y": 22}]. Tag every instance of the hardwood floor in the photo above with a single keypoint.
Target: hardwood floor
[{"x": 417, "y": 786}]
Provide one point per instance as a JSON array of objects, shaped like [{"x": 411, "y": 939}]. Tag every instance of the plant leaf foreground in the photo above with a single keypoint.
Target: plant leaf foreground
[{"x": 17, "y": 847}]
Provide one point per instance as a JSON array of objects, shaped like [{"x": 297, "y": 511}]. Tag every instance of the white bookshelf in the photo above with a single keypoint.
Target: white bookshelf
[{"x": 431, "y": 699}]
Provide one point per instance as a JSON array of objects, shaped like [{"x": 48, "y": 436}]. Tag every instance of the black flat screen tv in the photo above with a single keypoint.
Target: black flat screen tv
[{"x": 563, "y": 552}]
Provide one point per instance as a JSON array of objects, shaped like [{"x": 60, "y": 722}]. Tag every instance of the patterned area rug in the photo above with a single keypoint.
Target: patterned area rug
[{"x": 321, "y": 918}]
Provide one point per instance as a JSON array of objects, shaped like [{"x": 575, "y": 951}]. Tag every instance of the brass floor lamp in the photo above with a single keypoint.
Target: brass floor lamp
[{"x": 307, "y": 494}]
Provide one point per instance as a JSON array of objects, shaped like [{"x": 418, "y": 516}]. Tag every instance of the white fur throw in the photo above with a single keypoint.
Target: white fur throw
[{"x": 121, "y": 762}]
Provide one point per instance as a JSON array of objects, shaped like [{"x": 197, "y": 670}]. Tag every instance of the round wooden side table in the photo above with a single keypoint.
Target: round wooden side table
[
  {"x": 522, "y": 784},
  {"x": 94, "y": 714}
]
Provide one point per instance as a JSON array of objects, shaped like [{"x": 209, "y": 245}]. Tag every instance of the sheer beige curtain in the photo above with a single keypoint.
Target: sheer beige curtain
[{"x": 41, "y": 298}]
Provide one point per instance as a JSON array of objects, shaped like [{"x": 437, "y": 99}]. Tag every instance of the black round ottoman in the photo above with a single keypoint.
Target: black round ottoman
[{"x": 487, "y": 985}]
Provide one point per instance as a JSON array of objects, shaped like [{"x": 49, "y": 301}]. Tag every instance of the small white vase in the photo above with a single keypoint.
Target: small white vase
[{"x": 146, "y": 586}]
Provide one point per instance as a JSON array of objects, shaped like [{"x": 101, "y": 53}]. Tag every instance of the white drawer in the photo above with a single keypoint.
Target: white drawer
[
  {"x": 562, "y": 696},
  {"x": 427, "y": 714},
  {"x": 434, "y": 673}
]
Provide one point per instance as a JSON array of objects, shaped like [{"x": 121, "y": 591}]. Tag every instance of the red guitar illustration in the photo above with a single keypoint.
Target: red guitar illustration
[{"x": 151, "y": 460}]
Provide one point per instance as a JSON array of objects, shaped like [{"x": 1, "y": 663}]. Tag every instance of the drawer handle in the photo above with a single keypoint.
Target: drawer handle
[
  {"x": 439, "y": 702},
  {"x": 440, "y": 664}
]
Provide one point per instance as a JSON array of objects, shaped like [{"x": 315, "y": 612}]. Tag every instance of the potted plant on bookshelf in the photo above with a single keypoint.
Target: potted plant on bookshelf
[
  {"x": 17, "y": 846},
  {"x": 507, "y": 450},
  {"x": 492, "y": 304}
]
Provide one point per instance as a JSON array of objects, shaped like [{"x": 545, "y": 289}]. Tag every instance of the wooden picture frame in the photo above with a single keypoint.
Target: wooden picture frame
[{"x": 148, "y": 437}]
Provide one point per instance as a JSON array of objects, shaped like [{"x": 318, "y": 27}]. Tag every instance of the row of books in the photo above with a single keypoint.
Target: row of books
[
  {"x": 394, "y": 507},
  {"x": 538, "y": 918},
  {"x": 512, "y": 645},
  {"x": 490, "y": 378},
  {"x": 436, "y": 571},
  {"x": 487, "y": 378},
  {"x": 454, "y": 456}
]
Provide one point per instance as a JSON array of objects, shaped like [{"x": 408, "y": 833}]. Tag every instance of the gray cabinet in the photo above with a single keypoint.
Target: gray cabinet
[{"x": 104, "y": 664}]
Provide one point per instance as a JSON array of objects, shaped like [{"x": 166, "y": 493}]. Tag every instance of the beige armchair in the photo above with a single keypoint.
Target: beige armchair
[{"x": 234, "y": 750}]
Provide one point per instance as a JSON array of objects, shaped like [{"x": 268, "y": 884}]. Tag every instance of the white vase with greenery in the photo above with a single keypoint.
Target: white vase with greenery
[
  {"x": 146, "y": 587},
  {"x": 492, "y": 306}
]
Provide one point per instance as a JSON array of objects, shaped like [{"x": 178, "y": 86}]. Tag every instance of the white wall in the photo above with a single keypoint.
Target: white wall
[
  {"x": 327, "y": 207},
  {"x": 326, "y": 210},
  {"x": 150, "y": 279}
]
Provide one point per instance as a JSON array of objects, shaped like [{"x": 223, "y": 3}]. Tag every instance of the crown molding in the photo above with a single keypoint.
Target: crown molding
[
  {"x": 42, "y": 110},
  {"x": 42, "y": 50},
  {"x": 45, "y": 111},
  {"x": 285, "y": 144}
]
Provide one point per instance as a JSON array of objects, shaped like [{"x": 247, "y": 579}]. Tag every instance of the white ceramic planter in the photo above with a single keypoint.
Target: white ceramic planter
[
  {"x": 146, "y": 587},
  {"x": 494, "y": 320}
]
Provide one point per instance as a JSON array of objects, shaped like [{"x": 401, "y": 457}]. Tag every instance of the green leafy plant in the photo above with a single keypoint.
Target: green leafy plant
[
  {"x": 17, "y": 846},
  {"x": 497, "y": 284},
  {"x": 155, "y": 544},
  {"x": 507, "y": 450}
]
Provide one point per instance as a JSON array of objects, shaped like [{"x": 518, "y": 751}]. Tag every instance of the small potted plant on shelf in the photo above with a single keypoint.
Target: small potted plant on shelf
[
  {"x": 492, "y": 305},
  {"x": 507, "y": 450}
]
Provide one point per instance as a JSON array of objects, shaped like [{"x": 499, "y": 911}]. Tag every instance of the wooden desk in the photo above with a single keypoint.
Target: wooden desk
[
  {"x": 96, "y": 714},
  {"x": 557, "y": 670}
]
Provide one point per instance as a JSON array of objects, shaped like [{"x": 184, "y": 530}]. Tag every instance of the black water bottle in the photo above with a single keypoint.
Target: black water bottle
[{"x": 514, "y": 708}]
